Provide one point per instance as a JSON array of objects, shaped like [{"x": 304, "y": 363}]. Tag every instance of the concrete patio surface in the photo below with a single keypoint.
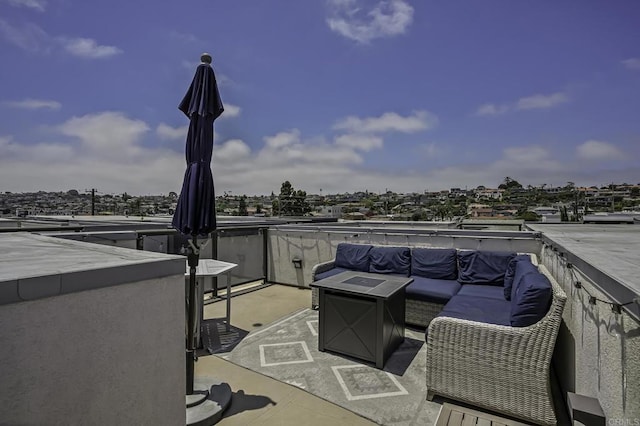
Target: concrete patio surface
[{"x": 261, "y": 400}]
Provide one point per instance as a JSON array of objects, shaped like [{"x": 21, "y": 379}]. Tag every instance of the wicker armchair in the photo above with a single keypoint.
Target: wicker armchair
[{"x": 500, "y": 368}]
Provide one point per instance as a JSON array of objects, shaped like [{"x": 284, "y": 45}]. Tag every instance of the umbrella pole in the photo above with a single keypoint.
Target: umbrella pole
[{"x": 192, "y": 258}]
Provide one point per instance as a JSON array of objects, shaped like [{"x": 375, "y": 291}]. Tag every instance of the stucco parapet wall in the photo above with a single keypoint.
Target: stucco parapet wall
[
  {"x": 606, "y": 254},
  {"x": 34, "y": 266}
]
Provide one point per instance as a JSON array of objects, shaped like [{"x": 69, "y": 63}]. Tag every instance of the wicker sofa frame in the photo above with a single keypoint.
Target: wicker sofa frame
[{"x": 500, "y": 368}]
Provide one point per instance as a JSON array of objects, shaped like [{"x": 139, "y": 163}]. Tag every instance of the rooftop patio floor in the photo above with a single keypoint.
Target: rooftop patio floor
[
  {"x": 258, "y": 399},
  {"x": 261, "y": 400}
]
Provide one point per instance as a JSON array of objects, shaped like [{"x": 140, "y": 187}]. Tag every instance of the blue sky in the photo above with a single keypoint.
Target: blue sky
[{"x": 332, "y": 95}]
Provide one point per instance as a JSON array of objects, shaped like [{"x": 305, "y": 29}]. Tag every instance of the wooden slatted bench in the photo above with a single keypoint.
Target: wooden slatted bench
[{"x": 453, "y": 415}]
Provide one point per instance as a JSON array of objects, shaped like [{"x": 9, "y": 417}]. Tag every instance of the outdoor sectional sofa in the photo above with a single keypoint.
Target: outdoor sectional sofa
[{"x": 492, "y": 320}]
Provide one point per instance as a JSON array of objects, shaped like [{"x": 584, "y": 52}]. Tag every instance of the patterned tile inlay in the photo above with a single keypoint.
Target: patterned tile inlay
[
  {"x": 359, "y": 382},
  {"x": 313, "y": 326},
  {"x": 284, "y": 353}
]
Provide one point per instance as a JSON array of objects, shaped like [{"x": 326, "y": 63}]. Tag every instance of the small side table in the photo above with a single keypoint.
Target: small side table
[{"x": 210, "y": 268}]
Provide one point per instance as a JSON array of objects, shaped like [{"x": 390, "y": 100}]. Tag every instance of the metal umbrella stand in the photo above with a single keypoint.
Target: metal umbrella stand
[
  {"x": 195, "y": 215},
  {"x": 193, "y": 257}
]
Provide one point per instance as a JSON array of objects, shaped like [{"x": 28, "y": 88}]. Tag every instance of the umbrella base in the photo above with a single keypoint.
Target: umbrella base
[{"x": 209, "y": 400}]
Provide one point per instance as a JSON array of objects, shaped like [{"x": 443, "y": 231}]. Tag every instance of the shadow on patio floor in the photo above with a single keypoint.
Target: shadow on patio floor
[{"x": 216, "y": 339}]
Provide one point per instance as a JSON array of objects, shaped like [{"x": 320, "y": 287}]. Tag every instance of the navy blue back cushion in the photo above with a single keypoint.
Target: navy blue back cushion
[
  {"x": 390, "y": 260},
  {"x": 483, "y": 267},
  {"x": 511, "y": 272},
  {"x": 437, "y": 263},
  {"x": 353, "y": 256},
  {"x": 521, "y": 269},
  {"x": 531, "y": 299}
]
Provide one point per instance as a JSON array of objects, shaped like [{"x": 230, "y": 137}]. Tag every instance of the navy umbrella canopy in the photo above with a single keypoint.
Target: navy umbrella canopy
[{"x": 195, "y": 212}]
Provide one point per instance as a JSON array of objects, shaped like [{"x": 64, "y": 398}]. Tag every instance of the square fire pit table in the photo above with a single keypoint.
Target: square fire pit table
[{"x": 362, "y": 314}]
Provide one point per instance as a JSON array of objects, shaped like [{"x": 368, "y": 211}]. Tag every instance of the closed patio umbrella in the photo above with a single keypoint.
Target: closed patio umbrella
[{"x": 195, "y": 212}]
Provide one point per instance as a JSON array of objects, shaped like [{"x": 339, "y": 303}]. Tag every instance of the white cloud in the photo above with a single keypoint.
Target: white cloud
[
  {"x": 287, "y": 150},
  {"x": 87, "y": 48},
  {"x": 541, "y": 101},
  {"x": 529, "y": 102},
  {"x": 357, "y": 22},
  {"x": 34, "y": 104},
  {"x": 30, "y": 37},
  {"x": 39, "y": 153},
  {"x": 632, "y": 63},
  {"x": 282, "y": 139},
  {"x": 106, "y": 151},
  {"x": 359, "y": 141},
  {"x": 38, "y": 5},
  {"x": 231, "y": 150},
  {"x": 492, "y": 109},
  {"x": 593, "y": 150},
  {"x": 224, "y": 80},
  {"x": 524, "y": 155},
  {"x": 166, "y": 132},
  {"x": 109, "y": 134},
  {"x": 102, "y": 150},
  {"x": 230, "y": 111},
  {"x": 389, "y": 121}
]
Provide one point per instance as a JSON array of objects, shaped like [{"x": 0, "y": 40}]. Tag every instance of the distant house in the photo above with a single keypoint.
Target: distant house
[
  {"x": 488, "y": 193},
  {"x": 548, "y": 214},
  {"x": 483, "y": 212},
  {"x": 331, "y": 211},
  {"x": 354, "y": 216}
]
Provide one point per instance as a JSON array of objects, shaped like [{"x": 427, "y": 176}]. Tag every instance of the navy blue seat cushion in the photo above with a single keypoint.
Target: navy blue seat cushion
[
  {"x": 354, "y": 257},
  {"x": 390, "y": 260},
  {"x": 329, "y": 273},
  {"x": 431, "y": 289},
  {"x": 531, "y": 299},
  {"x": 440, "y": 263},
  {"x": 472, "y": 308},
  {"x": 483, "y": 267},
  {"x": 511, "y": 272},
  {"x": 482, "y": 290}
]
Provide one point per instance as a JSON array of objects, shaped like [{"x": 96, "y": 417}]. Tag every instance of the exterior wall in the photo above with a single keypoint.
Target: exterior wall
[
  {"x": 590, "y": 358},
  {"x": 110, "y": 356},
  {"x": 315, "y": 246}
]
